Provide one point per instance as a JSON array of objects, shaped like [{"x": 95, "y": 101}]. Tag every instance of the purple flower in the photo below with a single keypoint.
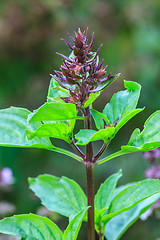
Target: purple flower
[
  {"x": 156, "y": 204},
  {"x": 153, "y": 154},
  {"x": 81, "y": 73},
  {"x": 6, "y": 177},
  {"x": 153, "y": 172}
]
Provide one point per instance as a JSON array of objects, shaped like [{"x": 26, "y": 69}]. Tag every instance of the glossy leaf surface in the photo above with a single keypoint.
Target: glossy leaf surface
[
  {"x": 103, "y": 198},
  {"x": 120, "y": 109},
  {"x": 126, "y": 117},
  {"x": 61, "y": 195},
  {"x": 13, "y": 122},
  {"x": 55, "y": 111},
  {"x": 123, "y": 101},
  {"x": 85, "y": 136},
  {"x": 59, "y": 130},
  {"x": 92, "y": 98},
  {"x": 131, "y": 196},
  {"x": 73, "y": 228},
  {"x": 56, "y": 91},
  {"x": 148, "y": 139},
  {"x": 30, "y": 227},
  {"x": 99, "y": 119},
  {"x": 118, "y": 225},
  {"x": 104, "y": 194}
]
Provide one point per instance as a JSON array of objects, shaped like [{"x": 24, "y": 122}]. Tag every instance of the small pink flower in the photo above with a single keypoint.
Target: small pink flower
[
  {"x": 153, "y": 154},
  {"x": 153, "y": 172},
  {"x": 6, "y": 177}
]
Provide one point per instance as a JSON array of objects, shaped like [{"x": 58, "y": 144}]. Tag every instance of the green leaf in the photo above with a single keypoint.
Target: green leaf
[
  {"x": 120, "y": 109},
  {"x": 134, "y": 136},
  {"x": 55, "y": 111},
  {"x": 122, "y": 102},
  {"x": 92, "y": 98},
  {"x": 31, "y": 227},
  {"x": 121, "y": 188},
  {"x": 56, "y": 91},
  {"x": 61, "y": 195},
  {"x": 103, "y": 197},
  {"x": 148, "y": 139},
  {"x": 74, "y": 226},
  {"x": 99, "y": 119},
  {"x": 13, "y": 122},
  {"x": 131, "y": 196},
  {"x": 84, "y": 136},
  {"x": 118, "y": 225},
  {"x": 114, "y": 155},
  {"x": 104, "y": 194},
  {"x": 59, "y": 130},
  {"x": 126, "y": 117}
]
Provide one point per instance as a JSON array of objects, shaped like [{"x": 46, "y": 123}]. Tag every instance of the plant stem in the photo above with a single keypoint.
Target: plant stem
[
  {"x": 78, "y": 150},
  {"x": 90, "y": 181},
  {"x": 90, "y": 196},
  {"x": 101, "y": 237},
  {"x": 104, "y": 146}
]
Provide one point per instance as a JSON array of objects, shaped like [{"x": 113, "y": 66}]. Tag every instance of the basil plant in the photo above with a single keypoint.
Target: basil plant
[{"x": 73, "y": 88}]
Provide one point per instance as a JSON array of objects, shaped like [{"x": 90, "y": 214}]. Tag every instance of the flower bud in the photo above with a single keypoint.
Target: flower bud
[{"x": 80, "y": 73}]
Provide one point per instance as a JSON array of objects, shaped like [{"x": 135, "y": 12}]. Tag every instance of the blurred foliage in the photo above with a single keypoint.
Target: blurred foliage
[{"x": 30, "y": 33}]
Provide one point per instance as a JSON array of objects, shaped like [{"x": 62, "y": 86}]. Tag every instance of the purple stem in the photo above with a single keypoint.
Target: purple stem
[
  {"x": 78, "y": 150},
  {"x": 101, "y": 151},
  {"x": 90, "y": 180}
]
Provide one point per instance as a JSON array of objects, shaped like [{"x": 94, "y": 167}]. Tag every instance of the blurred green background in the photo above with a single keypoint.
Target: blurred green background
[{"x": 30, "y": 33}]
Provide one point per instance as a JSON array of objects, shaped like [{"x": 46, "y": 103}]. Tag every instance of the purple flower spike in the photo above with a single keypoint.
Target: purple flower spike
[
  {"x": 81, "y": 73},
  {"x": 67, "y": 43}
]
